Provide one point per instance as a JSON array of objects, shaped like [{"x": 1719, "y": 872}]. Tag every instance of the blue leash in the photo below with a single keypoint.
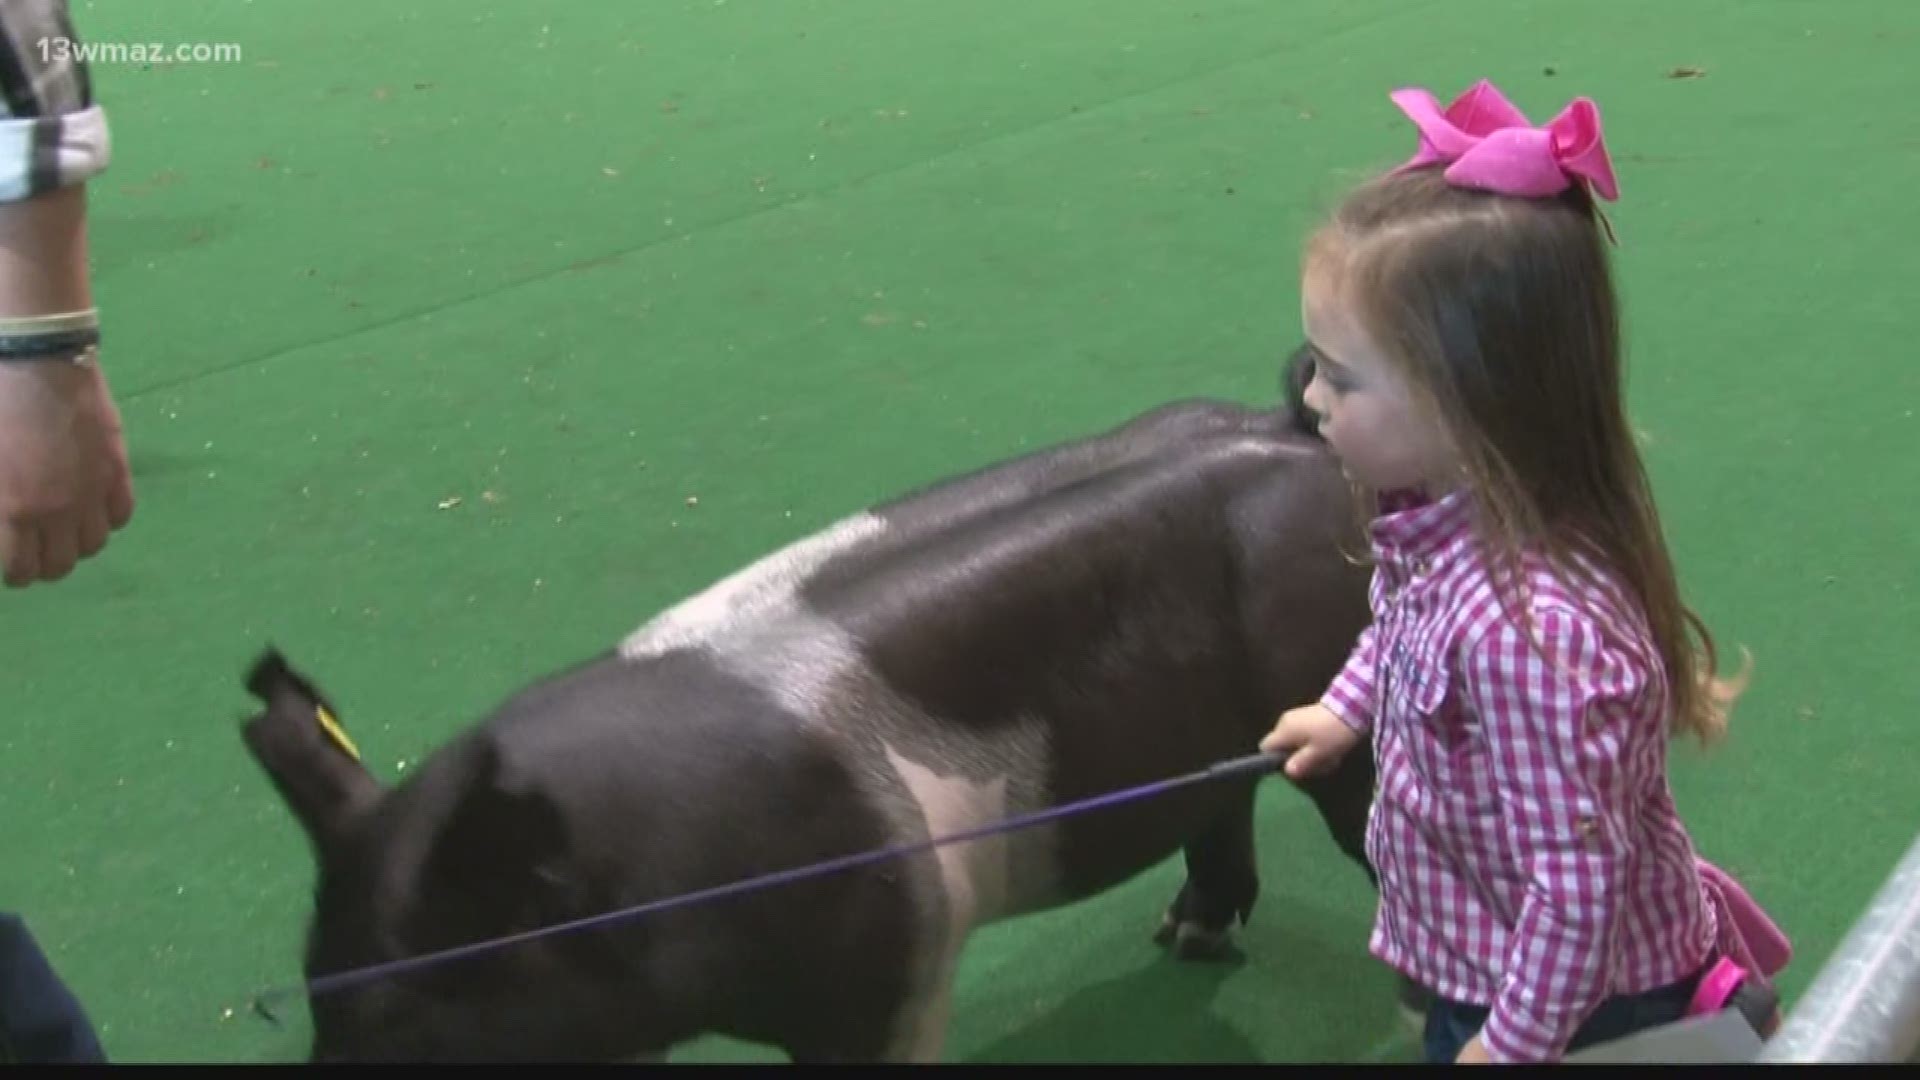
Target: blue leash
[{"x": 327, "y": 984}]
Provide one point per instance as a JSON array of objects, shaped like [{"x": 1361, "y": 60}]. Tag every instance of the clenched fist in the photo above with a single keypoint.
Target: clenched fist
[{"x": 1314, "y": 738}]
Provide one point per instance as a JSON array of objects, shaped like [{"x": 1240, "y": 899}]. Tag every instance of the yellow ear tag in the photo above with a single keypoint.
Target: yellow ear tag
[{"x": 335, "y": 731}]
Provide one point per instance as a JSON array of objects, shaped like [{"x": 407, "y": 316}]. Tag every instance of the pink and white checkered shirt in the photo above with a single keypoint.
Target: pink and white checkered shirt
[{"x": 1530, "y": 856}]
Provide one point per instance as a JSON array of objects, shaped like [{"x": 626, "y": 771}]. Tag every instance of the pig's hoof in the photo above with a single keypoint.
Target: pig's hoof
[
  {"x": 1169, "y": 928},
  {"x": 1191, "y": 941}
]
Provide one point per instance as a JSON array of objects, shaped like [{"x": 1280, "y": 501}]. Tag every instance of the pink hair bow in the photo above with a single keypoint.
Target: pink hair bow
[{"x": 1489, "y": 144}]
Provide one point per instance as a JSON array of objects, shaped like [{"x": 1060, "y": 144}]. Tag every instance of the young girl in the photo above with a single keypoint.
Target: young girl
[{"x": 1529, "y": 657}]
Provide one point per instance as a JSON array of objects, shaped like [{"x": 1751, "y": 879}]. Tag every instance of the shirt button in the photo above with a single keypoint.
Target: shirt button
[{"x": 1588, "y": 827}]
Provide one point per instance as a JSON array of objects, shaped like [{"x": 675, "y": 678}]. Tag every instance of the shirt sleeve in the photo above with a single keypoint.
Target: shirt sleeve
[
  {"x": 1557, "y": 721},
  {"x": 52, "y": 133},
  {"x": 1351, "y": 694}
]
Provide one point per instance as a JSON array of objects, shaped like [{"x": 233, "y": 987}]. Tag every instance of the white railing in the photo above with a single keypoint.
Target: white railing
[{"x": 1864, "y": 1005}]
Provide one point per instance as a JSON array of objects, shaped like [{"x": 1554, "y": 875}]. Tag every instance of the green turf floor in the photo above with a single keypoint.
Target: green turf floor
[{"x": 431, "y": 319}]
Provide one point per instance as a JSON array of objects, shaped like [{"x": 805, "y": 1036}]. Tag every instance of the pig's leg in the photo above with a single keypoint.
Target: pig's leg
[
  {"x": 850, "y": 1019},
  {"x": 946, "y": 889},
  {"x": 920, "y": 1033},
  {"x": 914, "y": 1034},
  {"x": 971, "y": 880},
  {"x": 1344, "y": 798},
  {"x": 1222, "y": 883}
]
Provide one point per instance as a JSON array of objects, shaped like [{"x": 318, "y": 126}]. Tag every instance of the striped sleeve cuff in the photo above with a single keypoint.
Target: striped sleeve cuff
[
  {"x": 1508, "y": 1044},
  {"x": 1517, "y": 1035},
  {"x": 40, "y": 154}
]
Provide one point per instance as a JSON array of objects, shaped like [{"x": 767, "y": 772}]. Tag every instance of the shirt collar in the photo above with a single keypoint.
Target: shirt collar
[{"x": 1415, "y": 526}]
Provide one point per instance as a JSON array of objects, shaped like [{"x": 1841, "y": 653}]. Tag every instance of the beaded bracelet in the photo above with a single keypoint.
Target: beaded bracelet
[{"x": 71, "y": 335}]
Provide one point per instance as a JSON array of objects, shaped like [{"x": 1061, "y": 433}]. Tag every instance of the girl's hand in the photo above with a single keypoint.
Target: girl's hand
[{"x": 1316, "y": 739}]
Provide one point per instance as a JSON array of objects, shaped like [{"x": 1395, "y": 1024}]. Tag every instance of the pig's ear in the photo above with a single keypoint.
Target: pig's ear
[
  {"x": 503, "y": 851},
  {"x": 497, "y": 828},
  {"x": 1294, "y": 380},
  {"x": 298, "y": 739}
]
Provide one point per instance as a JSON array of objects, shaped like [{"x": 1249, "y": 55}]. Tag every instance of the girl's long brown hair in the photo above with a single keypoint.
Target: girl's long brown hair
[{"x": 1503, "y": 314}]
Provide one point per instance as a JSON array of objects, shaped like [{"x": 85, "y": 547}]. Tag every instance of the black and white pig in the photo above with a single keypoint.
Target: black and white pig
[{"x": 1101, "y": 614}]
